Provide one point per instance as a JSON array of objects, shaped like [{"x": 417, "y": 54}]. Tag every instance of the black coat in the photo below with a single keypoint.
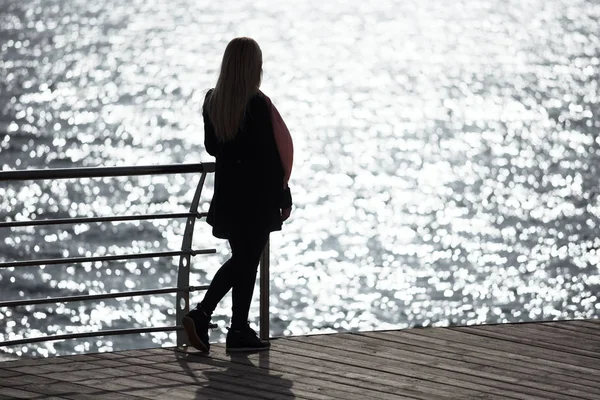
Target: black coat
[{"x": 248, "y": 191}]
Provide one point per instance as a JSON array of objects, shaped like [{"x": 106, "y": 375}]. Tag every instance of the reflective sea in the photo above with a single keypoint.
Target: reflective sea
[{"x": 447, "y": 160}]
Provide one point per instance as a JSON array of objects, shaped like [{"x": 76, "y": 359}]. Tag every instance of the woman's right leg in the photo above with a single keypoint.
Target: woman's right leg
[
  {"x": 247, "y": 248},
  {"x": 239, "y": 273}
]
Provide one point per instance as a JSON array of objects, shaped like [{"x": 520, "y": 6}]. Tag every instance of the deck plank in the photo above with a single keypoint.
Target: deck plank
[
  {"x": 430, "y": 380},
  {"x": 582, "y": 365},
  {"x": 590, "y": 323},
  {"x": 503, "y": 372},
  {"x": 301, "y": 373},
  {"x": 459, "y": 376},
  {"x": 564, "y": 349},
  {"x": 555, "y": 360},
  {"x": 558, "y": 340},
  {"x": 16, "y": 393},
  {"x": 591, "y": 333},
  {"x": 524, "y": 364}
]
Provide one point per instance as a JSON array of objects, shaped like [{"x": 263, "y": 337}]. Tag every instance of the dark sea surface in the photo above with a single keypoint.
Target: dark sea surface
[{"x": 447, "y": 160}]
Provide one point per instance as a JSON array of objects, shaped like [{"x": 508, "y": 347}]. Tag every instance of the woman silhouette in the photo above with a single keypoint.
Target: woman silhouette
[{"x": 254, "y": 152}]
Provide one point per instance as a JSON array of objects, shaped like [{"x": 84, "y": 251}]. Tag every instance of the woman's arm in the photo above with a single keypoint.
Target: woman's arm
[
  {"x": 284, "y": 144},
  {"x": 210, "y": 139},
  {"x": 283, "y": 139}
]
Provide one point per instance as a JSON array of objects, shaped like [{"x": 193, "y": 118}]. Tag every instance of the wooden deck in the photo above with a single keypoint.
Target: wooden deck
[{"x": 548, "y": 360}]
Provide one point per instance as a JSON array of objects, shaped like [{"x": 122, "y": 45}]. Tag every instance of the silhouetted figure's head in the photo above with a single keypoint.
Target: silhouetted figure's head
[{"x": 239, "y": 80}]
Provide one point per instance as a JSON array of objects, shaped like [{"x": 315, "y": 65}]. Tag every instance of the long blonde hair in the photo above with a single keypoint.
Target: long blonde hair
[{"x": 239, "y": 80}]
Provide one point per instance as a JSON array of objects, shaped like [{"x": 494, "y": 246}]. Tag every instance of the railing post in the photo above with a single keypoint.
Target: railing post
[
  {"x": 264, "y": 292},
  {"x": 183, "y": 272}
]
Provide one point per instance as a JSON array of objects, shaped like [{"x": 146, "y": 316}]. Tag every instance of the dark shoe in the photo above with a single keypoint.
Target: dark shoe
[
  {"x": 196, "y": 324},
  {"x": 244, "y": 339}
]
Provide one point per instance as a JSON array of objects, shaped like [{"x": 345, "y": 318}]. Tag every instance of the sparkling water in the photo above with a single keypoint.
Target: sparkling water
[{"x": 446, "y": 160}]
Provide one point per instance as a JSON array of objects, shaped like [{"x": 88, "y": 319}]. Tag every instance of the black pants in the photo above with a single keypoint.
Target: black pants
[{"x": 239, "y": 273}]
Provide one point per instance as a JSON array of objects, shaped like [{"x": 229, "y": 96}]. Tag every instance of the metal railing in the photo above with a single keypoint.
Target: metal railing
[{"x": 182, "y": 289}]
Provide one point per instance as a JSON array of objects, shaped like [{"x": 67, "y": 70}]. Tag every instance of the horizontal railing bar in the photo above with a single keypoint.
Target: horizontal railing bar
[
  {"x": 73, "y": 260},
  {"x": 100, "y": 172},
  {"x": 111, "y": 332},
  {"x": 81, "y": 220},
  {"x": 64, "y": 299}
]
